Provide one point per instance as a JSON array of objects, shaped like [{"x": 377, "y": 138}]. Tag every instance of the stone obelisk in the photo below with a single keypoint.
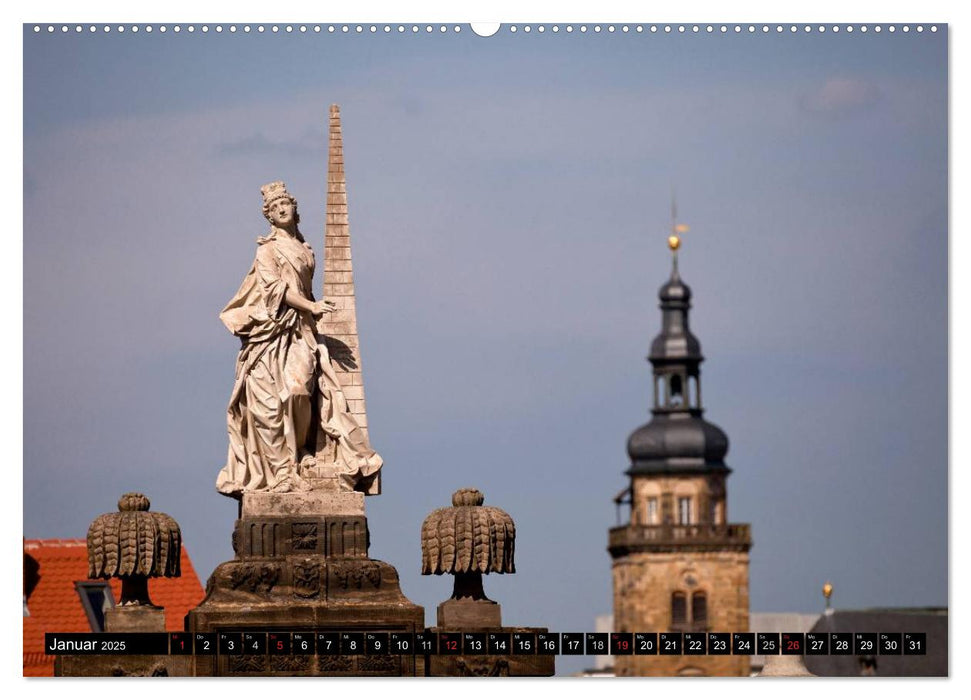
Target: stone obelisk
[
  {"x": 339, "y": 328},
  {"x": 302, "y": 561}
]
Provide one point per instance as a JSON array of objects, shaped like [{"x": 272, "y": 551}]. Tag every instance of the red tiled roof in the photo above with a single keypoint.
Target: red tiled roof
[{"x": 54, "y": 604}]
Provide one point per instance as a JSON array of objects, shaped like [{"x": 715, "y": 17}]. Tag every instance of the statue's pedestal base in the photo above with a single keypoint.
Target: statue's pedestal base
[
  {"x": 302, "y": 565},
  {"x": 469, "y": 615},
  {"x": 135, "y": 618},
  {"x": 491, "y": 665}
]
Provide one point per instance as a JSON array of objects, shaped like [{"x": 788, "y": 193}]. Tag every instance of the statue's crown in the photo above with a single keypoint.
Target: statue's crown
[{"x": 274, "y": 191}]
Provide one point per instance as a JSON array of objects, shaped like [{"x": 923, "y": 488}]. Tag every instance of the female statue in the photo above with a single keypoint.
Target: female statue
[{"x": 287, "y": 403}]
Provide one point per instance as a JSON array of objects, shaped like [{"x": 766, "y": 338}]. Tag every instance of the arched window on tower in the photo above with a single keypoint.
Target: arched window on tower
[
  {"x": 677, "y": 392},
  {"x": 693, "y": 392},
  {"x": 679, "y": 608},
  {"x": 699, "y": 610}
]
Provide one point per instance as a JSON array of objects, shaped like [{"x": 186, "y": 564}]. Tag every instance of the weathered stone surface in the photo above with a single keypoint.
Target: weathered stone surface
[
  {"x": 327, "y": 500},
  {"x": 467, "y": 614},
  {"x": 643, "y": 585},
  {"x": 135, "y": 665},
  {"x": 135, "y": 618},
  {"x": 485, "y": 666}
]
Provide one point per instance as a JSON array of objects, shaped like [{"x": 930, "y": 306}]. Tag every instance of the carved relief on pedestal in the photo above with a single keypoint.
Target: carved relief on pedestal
[
  {"x": 335, "y": 664},
  {"x": 481, "y": 667},
  {"x": 306, "y": 578},
  {"x": 386, "y": 665},
  {"x": 247, "y": 663},
  {"x": 290, "y": 664},
  {"x": 254, "y": 578},
  {"x": 303, "y": 536},
  {"x": 355, "y": 576}
]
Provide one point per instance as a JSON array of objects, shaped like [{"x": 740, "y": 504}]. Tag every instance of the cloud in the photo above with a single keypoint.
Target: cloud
[
  {"x": 841, "y": 96},
  {"x": 311, "y": 143}
]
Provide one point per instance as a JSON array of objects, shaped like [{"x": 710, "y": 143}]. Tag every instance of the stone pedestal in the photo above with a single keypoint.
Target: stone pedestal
[
  {"x": 468, "y": 615},
  {"x": 486, "y": 665},
  {"x": 302, "y": 564},
  {"x": 135, "y": 618}
]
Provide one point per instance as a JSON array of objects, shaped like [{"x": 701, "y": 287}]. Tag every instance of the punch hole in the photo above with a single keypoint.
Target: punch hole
[
  {"x": 639, "y": 29},
  {"x": 527, "y": 29}
]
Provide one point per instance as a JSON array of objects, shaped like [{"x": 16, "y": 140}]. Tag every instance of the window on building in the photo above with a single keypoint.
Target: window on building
[
  {"x": 693, "y": 392},
  {"x": 713, "y": 511},
  {"x": 96, "y": 599},
  {"x": 652, "y": 516},
  {"x": 679, "y": 608},
  {"x": 699, "y": 609},
  {"x": 684, "y": 510}
]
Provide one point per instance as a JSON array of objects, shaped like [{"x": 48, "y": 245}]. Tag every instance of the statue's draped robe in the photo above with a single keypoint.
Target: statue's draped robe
[{"x": 279, "y": 367}]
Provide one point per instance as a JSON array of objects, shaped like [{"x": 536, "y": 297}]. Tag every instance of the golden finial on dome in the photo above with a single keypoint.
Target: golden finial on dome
[
  {"x": 827, "y": 592},
  {"x": 674, "y": 240}
]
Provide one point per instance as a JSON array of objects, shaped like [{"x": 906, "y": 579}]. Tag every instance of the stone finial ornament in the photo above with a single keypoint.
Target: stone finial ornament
[
  {"x": 133, "y": 545},
  {"x": 468, "y": 540}
]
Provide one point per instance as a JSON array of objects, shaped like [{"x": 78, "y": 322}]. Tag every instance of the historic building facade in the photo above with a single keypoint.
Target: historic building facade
[{"x": 678, "y": 564}]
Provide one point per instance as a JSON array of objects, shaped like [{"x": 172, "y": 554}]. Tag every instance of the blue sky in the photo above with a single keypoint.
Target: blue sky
[{"x": 509, "y": 199}]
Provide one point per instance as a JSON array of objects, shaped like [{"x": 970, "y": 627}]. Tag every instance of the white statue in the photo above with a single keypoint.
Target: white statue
[{"x": 286, "y": 401}]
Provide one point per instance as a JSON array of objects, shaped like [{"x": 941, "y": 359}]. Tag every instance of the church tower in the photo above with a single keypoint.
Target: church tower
[{"x": 678, "y": 564}]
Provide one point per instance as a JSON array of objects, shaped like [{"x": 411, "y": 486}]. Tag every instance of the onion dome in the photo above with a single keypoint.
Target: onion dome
[
  {"x": 675, "y": 341},
  {"x": 677, "y": 443},
  {"x": 133, "y": 545},
  {"x": 468, "y": 538}
]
